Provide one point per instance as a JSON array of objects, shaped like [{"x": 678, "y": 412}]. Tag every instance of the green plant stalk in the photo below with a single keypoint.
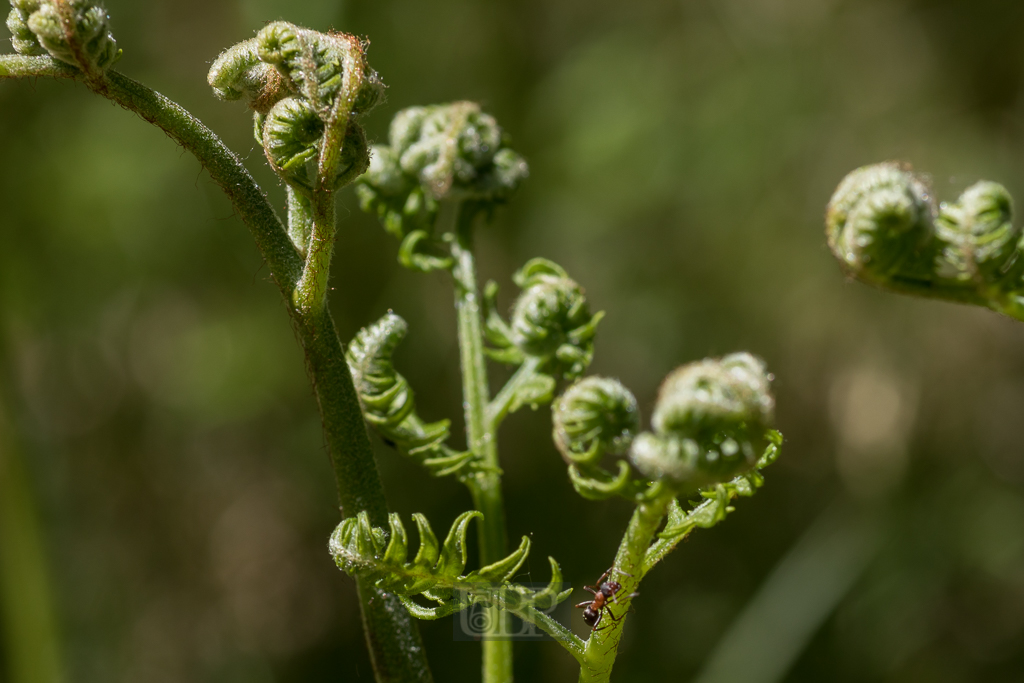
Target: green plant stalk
[
  {"x": 497, "y": 410},
  {"x": 311, "y": 291},
  {"x": 629, "y": 569},
  {"x": 26, "y": 606},
  {"x": 484, "y": 486},
  {"x": 563, "y": 636},
  {"x": 392, "y": 635},
  {"x": 300, "y": 220}
]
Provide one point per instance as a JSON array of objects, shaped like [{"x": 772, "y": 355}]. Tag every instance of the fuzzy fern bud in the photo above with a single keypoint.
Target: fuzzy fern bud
[
  {"x": 711, "y": 423},
  {"x": 879, "y": 224},
  {"x": 22, "y": 37},
  {"x": 594, "y": 416},
  {"x": 551, "y": 318},
  {"x": 450, "y": 151},
  {"x": 299, "y": 82},
  {"x": 238, "y": 73},
  {"x": 76, "y": 32},
  {"x": 883, "y": 226},
  {"x": 979, "y": 242}
]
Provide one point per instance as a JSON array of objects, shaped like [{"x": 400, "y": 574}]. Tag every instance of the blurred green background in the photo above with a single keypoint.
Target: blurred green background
[{"x": 155, "y": 415}]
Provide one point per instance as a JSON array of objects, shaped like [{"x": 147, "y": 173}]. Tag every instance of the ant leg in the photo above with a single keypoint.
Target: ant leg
[
  {"x": 600, "y": 616},
  {"x": 615, "y": 618},
  {"x": 590, "y": 589},
  {"x": 615, "y": 598},
  {"x": 585, "y": 604}
]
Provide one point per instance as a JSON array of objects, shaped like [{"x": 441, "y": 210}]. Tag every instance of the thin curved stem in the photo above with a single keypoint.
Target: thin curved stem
[
  {"x": 566, "y": 638},
  {"x": 485, "y": 486},
  {"x": 392, "y": 635},
  {"x": 498, "y": 408}
]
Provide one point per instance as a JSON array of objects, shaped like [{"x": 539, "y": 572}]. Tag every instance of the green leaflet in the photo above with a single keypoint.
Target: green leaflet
[
  {"x": 713, "y": 506},
  {"x": 436, "y": 573},
  {"x": 389, "y": 403}
]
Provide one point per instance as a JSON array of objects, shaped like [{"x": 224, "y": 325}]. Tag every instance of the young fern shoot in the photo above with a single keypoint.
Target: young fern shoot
[
  {"x": 711, "y": 429},
  {"x": 445, "y": 169},
  {"x": 711, "y": 435}
]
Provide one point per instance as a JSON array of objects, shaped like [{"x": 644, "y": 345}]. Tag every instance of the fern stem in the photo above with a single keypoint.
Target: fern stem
[
  {"x": 392, "y": 635},
  {"x": 566, "y": 638},
  {"x": 485, "y": 486},
  {"x": 603, "y": 644},
  {"x": 498, "y": 409}
]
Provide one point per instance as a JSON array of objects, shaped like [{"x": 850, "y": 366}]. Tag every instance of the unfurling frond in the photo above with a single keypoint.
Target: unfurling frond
[
  {"x": 447, "y": 152},
  {"x": 595, "y": 416},
  {"x": 883, "y": 226},
  {"x": 389, "y": 404},
  {"x": 76, "y": 32},
  {"x": 299, "y": 82},
  {"x": 713, "y": 506},
  {"x": 436, "y": 572}
]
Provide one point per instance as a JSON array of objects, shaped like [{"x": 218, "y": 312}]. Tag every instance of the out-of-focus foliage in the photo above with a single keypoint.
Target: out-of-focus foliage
[{"x": 681, "y": 157}]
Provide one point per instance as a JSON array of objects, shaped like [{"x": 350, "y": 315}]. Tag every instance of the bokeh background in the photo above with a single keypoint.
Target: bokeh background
[{"x": 157, "y": 421}]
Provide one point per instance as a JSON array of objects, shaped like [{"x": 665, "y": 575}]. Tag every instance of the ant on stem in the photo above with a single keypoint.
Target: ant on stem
[{"x": 603, "y": 592}]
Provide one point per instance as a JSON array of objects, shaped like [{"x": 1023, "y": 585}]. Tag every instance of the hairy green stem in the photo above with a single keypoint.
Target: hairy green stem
[
  {"x": 498, "y": 409},
  {"x": 300, "y": 219},
  {"x": 485, "y": 486},
  {"x": 392, "y": 635},
  {"x": 399, "y": 655},
  {"x": 310, "y": 295},
  {"x": 628, "y": 570},
  {"x": 566, "y": 638},
  {"x": 32, "y": 644}
]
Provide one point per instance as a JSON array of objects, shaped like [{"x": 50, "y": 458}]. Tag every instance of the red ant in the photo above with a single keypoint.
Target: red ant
[{"x": 603, "y": 592}]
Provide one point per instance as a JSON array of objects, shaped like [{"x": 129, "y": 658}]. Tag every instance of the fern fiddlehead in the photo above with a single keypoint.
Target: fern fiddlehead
[
  {"x": 75, "y": 32},
  {"x": 885, "y": 229},
  {"x": 307, "y": 90},
  {"x": 441, "y": 153},
  {"x": 389, "y": 405},
  {"x": 711, "y": 436},
  {"x": 596, "y": 417},
  {"x": 711, "y": 423}
]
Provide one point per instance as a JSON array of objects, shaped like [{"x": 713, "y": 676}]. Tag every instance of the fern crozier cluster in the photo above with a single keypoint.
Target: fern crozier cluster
[{"x": 885, "y": 228}]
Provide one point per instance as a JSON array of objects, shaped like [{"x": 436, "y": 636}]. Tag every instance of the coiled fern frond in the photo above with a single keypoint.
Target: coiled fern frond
[
  {"x": 886, "y": 230},
  {"x": 551, "y": 322},
  {"x": 76, "y": 32},
  {"x": 389, "y": 403},
  {"x": 436, "y": 572}
]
